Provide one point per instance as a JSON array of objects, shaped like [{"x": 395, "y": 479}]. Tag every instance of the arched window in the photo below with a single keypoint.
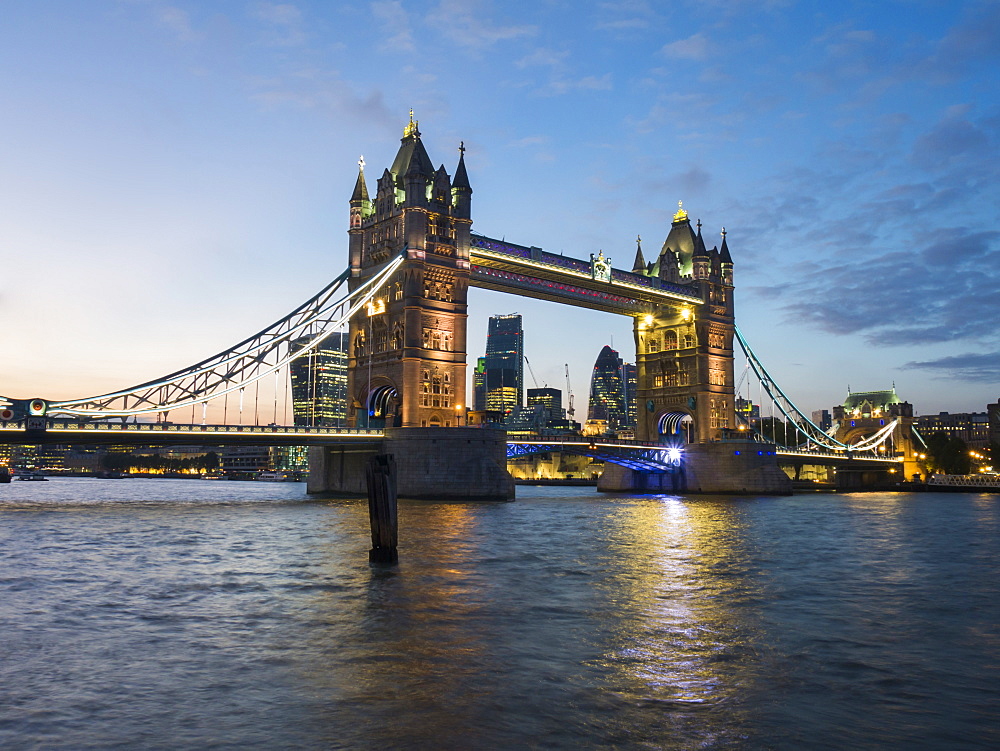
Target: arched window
[{"x": 670, "y": 340}]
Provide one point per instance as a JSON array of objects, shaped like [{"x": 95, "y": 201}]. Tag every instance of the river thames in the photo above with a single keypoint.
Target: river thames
[{"x": 177, "y": 614}]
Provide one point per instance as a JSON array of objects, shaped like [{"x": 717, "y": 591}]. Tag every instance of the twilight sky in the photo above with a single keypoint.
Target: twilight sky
[{"x": 175, "y": 175}]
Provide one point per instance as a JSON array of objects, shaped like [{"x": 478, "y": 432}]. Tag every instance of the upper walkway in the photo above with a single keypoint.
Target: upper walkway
[{"x": 533, "y": 272}]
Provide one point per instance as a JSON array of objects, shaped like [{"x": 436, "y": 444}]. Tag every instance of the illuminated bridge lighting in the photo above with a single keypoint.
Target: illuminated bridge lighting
[
  {"x": 486, "y": 250},
  {"x": 642, "y": 456}
]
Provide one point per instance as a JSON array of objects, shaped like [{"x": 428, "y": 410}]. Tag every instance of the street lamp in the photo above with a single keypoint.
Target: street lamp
[{"x": 458, "y": 415}]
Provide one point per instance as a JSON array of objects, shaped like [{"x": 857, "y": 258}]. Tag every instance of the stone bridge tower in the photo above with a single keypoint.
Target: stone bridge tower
[
  {"x": 685, "y": 352},
  {"x": 407, "y": 355}
]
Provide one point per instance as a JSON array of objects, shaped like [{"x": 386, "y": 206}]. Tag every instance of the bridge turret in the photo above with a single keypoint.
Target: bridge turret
[
  {"x": 461, "y": 207},
  {"x": 406, "y": 366},
  {"x": 639, "y": 264},
  {"x": 685, "y": 353},
  {"x": 726, "y": 261},
  {"x": 361, "y": 209},
  {"x": 680, "y": 241},
  {"x": 700, "y": 259},
  {"x": 461, "y": 190}
]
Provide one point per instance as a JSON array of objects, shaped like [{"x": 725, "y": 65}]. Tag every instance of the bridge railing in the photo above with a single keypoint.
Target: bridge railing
[{"x": 146, "y": 427}]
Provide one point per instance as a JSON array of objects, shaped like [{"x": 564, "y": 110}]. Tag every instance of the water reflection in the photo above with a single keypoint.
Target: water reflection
[
  {"x": 407, "y": 657},
  {"x": 564, "y": 620},
  {"x": 620, "y": 622},
  {"x": 683, "y": 581}
]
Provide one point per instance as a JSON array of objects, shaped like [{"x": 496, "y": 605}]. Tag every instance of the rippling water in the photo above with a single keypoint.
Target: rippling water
[{"x": 184, "y": 614}]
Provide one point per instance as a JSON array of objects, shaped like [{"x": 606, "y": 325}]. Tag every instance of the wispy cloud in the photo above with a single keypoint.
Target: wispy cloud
[
  {"x": 466, "y": 23},
  {"x": 178, "y": 21},
  {"x": 695, "y": 47},
  {"x": 625, "y": 15},
  {"x": 395, "y": 24},
  {"x": 282, "y": 22},
  {"x": 983, "y": 367},
  {"x": 325, "y": 91},
  {"x": 924, "y": 295}
]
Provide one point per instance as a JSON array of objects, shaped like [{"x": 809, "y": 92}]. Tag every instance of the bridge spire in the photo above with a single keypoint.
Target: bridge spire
[
  {"x": 360, "y": 188},
  {"x": 412, "y": 128},
  {"x": 461, "y": 176},
  {"x": 724, "y": 255},
  {"x": 639, "y": 266}
]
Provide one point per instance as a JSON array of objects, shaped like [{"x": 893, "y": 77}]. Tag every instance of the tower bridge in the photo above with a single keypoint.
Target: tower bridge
[{"x": 412, "y": 257}]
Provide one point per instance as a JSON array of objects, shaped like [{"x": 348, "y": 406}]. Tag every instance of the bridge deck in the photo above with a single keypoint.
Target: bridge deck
[
  {"x": 167, "y": 434},
  {"x": 532, "y": 272}
]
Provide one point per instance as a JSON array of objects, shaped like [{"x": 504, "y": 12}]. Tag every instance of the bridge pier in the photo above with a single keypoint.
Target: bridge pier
[
  {"x": 723, "y": 467},
  {"x": 431, "y": 464}
]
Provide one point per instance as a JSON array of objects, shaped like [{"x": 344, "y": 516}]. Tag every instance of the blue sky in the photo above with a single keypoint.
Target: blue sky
[{"x": 175, "y": 175}]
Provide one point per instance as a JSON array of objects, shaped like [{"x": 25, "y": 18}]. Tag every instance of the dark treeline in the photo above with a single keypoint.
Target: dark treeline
[{"x": 120, "y": 462}]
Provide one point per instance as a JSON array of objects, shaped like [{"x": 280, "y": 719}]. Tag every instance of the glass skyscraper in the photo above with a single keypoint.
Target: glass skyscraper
[
  {"x": 545, "y": 397},
  {"x": 479, "y": 385},
  {"x": 631, "y": 377},
  {"x": 607, "y": 390},
  {"x": 504, "y": 363},
  {"x": 319, "y": 382}
]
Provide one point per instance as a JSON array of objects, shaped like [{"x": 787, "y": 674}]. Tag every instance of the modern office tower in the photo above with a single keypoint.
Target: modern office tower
[
  {"x": 550, "y": 399},
  {"x": 607, "y": 390},
  {"x": 972, "y": 427},
  {"x": 822, "y": 419},
  {"x": 319, "y": 382},
  {"x": 504, "y": 363},
  {"x": 630, "y": 377},
  {"x": 479, "y": 385},
  {"x": 749, "y": 413}
]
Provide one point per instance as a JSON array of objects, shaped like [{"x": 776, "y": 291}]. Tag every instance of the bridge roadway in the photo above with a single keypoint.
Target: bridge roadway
[
  {"x": 171, "y": 434},
  {"x": 643, "y": 456},
  {"x": 844, "y": 460}
]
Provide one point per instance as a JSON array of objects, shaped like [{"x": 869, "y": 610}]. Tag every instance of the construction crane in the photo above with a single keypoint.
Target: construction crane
[
  {"x": 532, "y": 371},
  {"x": 569, "y": 390}
]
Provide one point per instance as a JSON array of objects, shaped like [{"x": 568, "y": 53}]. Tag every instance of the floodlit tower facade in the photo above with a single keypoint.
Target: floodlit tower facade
[
  {"x": 504, "y": 363},
  {"x": 406, "y": 361},
  {"x": 684, "y": 383}
]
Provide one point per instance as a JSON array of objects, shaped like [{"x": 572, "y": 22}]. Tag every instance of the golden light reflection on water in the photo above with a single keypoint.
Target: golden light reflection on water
[
  {"x": 620, "y": 608},
  {"x": 682, "y": 567}
]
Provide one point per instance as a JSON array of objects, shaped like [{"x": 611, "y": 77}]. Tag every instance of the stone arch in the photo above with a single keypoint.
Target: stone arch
[
  {"x": 381, "y": 406},
  {"x": 675, "y": 425}
]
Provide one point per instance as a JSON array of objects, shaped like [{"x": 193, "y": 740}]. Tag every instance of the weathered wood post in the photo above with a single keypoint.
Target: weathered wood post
[{"x": 381, "y": 476}]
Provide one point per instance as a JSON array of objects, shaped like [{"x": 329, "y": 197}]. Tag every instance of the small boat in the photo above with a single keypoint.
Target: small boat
[
  {"x": 35, "y": 476},
  {"x": 272, "y": 476}
]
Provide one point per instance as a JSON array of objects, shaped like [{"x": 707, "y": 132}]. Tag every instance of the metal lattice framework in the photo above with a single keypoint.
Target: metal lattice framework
[
  {"x": 249, "y": 361},
  {"x": 806, "y": 430},
  {"x": 642, "y": 457}
]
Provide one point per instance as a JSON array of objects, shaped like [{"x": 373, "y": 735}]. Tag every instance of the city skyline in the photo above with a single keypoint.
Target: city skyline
[{"x": 158, "y": 212}]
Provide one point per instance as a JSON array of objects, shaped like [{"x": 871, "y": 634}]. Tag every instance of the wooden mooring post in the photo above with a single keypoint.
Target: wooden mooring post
[{"x": 381, "y": 477}]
